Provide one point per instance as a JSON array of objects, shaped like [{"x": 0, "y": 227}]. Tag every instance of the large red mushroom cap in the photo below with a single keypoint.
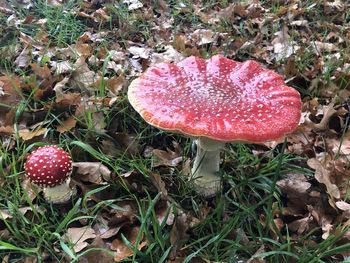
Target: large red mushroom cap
[
  {"x": 217, "y": 98},
  {"x": 48, "y": 166}
]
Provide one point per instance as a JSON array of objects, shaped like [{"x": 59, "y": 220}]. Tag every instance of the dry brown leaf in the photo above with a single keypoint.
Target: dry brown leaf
[
  {"x": 93, "y": 171},
  {"x": 256, "y": 259},
  {"x": 88, "y": 36},
  {"x": 164, "y": 211},
  {"x": 126, "y": 213},
  {"x": 324, "y": 220},
  {"x": 78, "y": 236},
  {"x": 342, "y": 205},
  {"x": 98, "y": 256},
  {"x": 216, "y": 17},
  {"x": 122, "y": 250},
  {"x": 5, "y": 214},
  {"x": 322, "y": 175},
  {"x": 345, "y": 207},
  {"x": 24, "y": 58},
  {"x": 117, "y": 68},
  {"x": 82, "y": 50},
  {"x": 327, "y": 111},
  {"x": 10, "y": 93},
  {"x": 321, "y": 46},
  {"x": 283, "y": 46},
  {"x": 133, "y": 4},
  {"x": 63, "y": 67},
  {"x": 128, "y": 143},
  {"x": 302, "y": 225},
  {"x": 100, "y": 15},
  {"x": 6, "y": 130},
  {"x": 27, "y": 134},
  {"x": 333, "y": 7},
  {"x": 41, "y": 71},
  {"x": 203, "y": 36},
  {"x": 67, "y": 125},
  {"x": 170, "y": 55},
  {"x": 54, "y": 2},
  {"x": 110, "y": 232},
  {"x": 30, "y": 188},
  {"x": 58, "y": 88},
  {"x": 159, "y": 184},
  {"x": 135, "y": 180},
  {"x": 295, "y": 186},
  {"x": 115, "y": 84},
  {"x": 168, "y": 157},
  {"x": 83, "y": 77},
  {"x": 68, "y": 99},
  {"x": 140, "y": 52},
  {"x": 178, "y": 233},
  {"x": 90, "y": 106},
  {"x": 341, "y": 146}
]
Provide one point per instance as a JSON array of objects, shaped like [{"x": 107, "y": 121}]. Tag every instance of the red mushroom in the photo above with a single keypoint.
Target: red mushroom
[
  {"x": 50, "y": 167},
  {"x": 216, "y": 100}
]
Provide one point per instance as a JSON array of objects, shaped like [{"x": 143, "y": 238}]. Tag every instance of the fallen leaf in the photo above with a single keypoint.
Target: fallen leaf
[
  {"x": 5, "y": 214},
  {"x": 78, "y": 236},
  {"x": 203, "y": 36},
  {"x": 168, "y": 157},
  {"x": 10, "y": 93},
  {"x": 159, "y": 184},
  {"x": 324, "y": 220},
  {"x": 31, "y": 189},
  {"x": 283, "y": 46},
  {"x": 63, "y": 67},
  {"x": 170, "y": 55},
  {"x": 294, "y": 186},
  {"x": 115, "y": 84},
  {"x": 322, "y": 175},
  {"x": 92, "y": 171},
  {"x": 133, "y": 4},
  {"x": 321, "y": 46},
  {"x": 126, "y": 213},
  {"x": 24, "y": 58},
  {"x": 342, "y": 205},
  {"x": 164, "y": 211},
  {"x": 27, "y": 134},
  {"x": 216, "y": 16},
  {"x": 256, "y": 258},
  {"x": 341, "y": 147},
  {"x": 302, "y": 225},
  {"x": 66, "y": 125},
  {"x": 122, "y": 250},
  {"x": 140, "y": 52},
  {"x": 58, "y": 88},
  {"x": 178, "y": 233},
  {"x": 83, "y": 77},
  {"x": 90, "y": 107},
  {"x": 333, "y": 7},
  {"x": 328, "y": 111},
  {"x": 6, "y": 130},
  {"x": 101, "y": 254}
]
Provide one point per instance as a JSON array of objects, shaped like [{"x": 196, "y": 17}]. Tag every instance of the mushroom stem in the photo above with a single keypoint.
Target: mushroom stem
[
  {"x": 206, "y": 166},
  {"x": 59, "y": 194}
]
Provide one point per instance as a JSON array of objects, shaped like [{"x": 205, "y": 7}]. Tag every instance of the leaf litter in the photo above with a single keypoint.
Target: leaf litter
[{"x": 87, "y": 81}]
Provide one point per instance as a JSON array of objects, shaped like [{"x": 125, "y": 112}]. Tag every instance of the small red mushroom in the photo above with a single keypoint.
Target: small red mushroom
[
  {"x": 216, "y": 100},
  {"x": 50, "y": 167}
]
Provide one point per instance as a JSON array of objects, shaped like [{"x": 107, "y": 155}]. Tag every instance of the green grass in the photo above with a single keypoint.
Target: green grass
[
  {"x": 230, "y": 227},
  {"x": 62, "y": 26}
]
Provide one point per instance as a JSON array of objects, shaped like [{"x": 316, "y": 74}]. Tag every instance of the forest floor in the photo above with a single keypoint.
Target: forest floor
[{"x": 65, "y": 67}]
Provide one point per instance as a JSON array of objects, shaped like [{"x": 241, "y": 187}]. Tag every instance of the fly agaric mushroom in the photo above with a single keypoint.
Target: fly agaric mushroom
[
  {"x": 50, "y": 167},
  {"x": 216, "y": 100}
]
